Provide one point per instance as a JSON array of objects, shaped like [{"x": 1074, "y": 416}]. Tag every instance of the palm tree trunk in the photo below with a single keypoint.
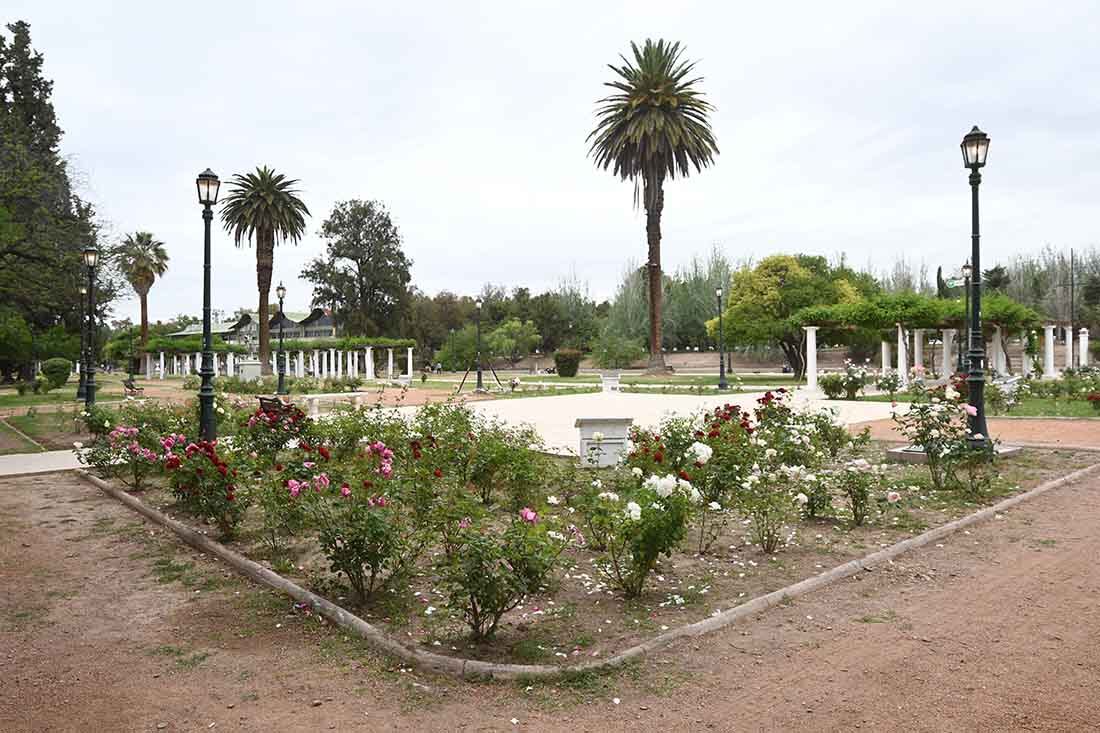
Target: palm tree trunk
[
  {"x": 144, "y": 298},
  {"x": 654, "y": 204},
  {"x": 265, "y": 255}
]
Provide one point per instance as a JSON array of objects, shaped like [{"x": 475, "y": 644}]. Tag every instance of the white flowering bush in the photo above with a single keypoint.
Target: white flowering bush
[
  {"x": 937, "y": 427},
  {"x": 771, "y": 498},
  {"x": 857, "y": 480},
  {"x": 638, "y": 529}
]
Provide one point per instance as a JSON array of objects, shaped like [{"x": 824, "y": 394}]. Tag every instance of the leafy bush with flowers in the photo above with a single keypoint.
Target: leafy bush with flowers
[
  {"x": 123, "y": 453},
  {"x": 489, "y": 572},
  {"x": 889, "y": 382},
  {"x": 284, "y": 513},
  {"x": 858, "y": 480},
  {"x": 971, "y": 466},
  {"x": 205, "y": 479},
  {"x": 937, "y": 427},
  {"x": 769, "y": 496},
  {"x": 640, "y": 527},
  {"x": 363, "y": 529},
  {"x": 848, "y": 382},
  {"x": 266, "y": 432}
]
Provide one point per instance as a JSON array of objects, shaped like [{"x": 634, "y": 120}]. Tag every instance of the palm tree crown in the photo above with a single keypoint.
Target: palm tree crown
[
  {"x": 264, "y": 207},
  {"x": 264, "y": 204},
  {"x": 656, "y": 123},
  {"x": 654, "y": 126},
  {"x": 142, "y": 260}
]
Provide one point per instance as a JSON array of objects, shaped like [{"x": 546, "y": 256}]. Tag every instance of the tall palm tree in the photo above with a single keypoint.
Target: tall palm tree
[
  {"x": 654, "y": 126},
  {"x": 142, "y": 260},
  {"x": 264, "y": 207}
]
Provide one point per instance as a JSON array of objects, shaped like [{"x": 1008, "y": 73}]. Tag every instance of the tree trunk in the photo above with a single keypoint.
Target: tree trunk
[
  {"x": 654, "y": 204},
  {"x": 144, "y": 298},
  {"x": 793, "y": 352},
  {"x": 265, "y": 254}
]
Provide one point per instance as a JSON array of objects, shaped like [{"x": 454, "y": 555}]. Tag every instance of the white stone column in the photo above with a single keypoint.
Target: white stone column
[
  {"x": 409, "y": 360},
  {"x": 947, "y": 365},
  {"x": 1069, "y": 349},
  {"x": 370, "y": 362},
  {"x": 886, "y": 358},
  {"x": 148, "y": 365},
  {"x": 903, "y": 357},
  {"x": 389, "y": 364},
  {"x": 1083, "y": 350},
  {"x": 996, "y": 351},
  {"x": 300, "y": 365},
  {"x": 918, "y": 347},
  {"x": 811, "y": 357},
  {"x": 198, "y": 362},
  {"x": 1025, "y": 361},
  {"x": 316, "y": 363},
  {"x": 1048, "y": 352},
  {"x": 162, "y": 365}
]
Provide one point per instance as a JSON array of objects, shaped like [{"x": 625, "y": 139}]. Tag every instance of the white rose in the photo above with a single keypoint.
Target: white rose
[
  {"x": 802, "y": 499},
  {"x": 553, "y": 500},
  {"x": 633, "y": 511},
  {"x": 637, "y": 472},
  {"x": 598, "y": 437},
  {"x": 702, "y": 452},
  {"x": 714, "y": 506}
]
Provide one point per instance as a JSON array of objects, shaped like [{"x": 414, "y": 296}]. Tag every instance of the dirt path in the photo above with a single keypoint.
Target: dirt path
[
  {"x": 1068, "y": 433},
  {"x": 105, "y": 624}
]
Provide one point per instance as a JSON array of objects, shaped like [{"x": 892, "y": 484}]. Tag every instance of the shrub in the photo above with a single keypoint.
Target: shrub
[
  {"x": 832, "y": 385},
  {"x": 567, "y": 362},
  {"x": 936, "y": 427},
  {"x": 492, "y": 572},
  {"x": 23, "y": 386},
  {"x": 889, "y": 383},
  {"x": 856, "y": 480},
  {"x": 204, "y": 481},
  {"x": 768, "y": 497},
  {"x": 57, "y": 371},
  {"x": 636, "y": 533},
  {"x": 125, "y": 452},
  {"x": 972, "y": 466},
  {"x": 266, "y": 432},
  {"x": 192, "y": 382},
  {"x": 1094, "y": 400}
]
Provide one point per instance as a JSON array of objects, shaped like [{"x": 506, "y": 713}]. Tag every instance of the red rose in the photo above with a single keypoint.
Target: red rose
[
  {"x": 438, "y": 473},
  {"x": 658, "y": 457},
  {"x": 324, "y": 452},
  {"x": 278, "y": 467},
  {"x": 684, "y": 475}
]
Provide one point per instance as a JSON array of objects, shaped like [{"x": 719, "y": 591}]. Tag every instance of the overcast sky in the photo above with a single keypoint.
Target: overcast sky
[{"x": 838, "y": 125}]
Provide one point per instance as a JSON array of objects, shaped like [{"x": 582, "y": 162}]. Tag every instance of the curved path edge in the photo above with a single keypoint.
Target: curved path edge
[{"x": 473, "y": 668}]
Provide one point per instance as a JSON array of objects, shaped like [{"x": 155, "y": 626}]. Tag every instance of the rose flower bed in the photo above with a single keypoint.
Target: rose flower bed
[{"x": 460, "y": 534}]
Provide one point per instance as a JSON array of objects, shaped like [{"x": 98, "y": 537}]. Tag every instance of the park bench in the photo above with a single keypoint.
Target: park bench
[
  {"x": 130, "y": 389},
  {"x": 273, "y": 404}
]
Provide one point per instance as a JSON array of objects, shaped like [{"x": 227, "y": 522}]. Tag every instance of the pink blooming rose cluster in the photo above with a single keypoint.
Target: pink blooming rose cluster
[
  {"x": 145, "y": 453},
  {"x": 122, "y": 432},
  {"x": 170, "y": 441},
  {"x": 320, "y": 482},
  {"x": 528, "y": 515},
  {"x": 379, "y": 449}
]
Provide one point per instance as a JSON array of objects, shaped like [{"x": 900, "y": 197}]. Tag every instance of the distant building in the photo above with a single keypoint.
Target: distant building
[{"x": 316, "y": 324}]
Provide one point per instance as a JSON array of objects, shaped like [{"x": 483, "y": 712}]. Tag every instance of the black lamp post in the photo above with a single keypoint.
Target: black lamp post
[
  {"x": 281, "y": 292},
  {"x": 91, "y": 257},
  {"x": 975, "y": 147},
  {"x": 80, "y": 393},
  {"x": 477, "y": 321},
  {"x": 207, "y": 185},
  {"x": 966, "y": 315},
  {"x": 721, "y": 345}
]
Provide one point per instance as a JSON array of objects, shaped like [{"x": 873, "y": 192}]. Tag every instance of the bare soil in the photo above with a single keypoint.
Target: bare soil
[
  {"x": 107, "y": 624},
  {"x": 1067, "y": 433}
]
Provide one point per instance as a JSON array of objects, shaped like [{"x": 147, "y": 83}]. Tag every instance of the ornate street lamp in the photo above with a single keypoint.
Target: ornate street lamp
[
  {"x": 207, "y": 185},
  {"x": 281, "y": 292},
  {"x": 721, "y": 345},
  {"x": 91, "y": 258},
  {"x": 80, "y": 392},
  {"x": 975, "y": 147},
  {"x": 477, "y": 320}
]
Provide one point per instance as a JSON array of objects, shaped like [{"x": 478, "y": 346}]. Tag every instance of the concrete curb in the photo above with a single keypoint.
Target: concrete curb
[{"x": 472, "y": 668}]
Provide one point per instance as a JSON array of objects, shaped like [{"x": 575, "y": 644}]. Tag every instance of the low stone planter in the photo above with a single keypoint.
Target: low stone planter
[
  {"x": 612, "y": 433},
  {"x": 913, "y": 454}
]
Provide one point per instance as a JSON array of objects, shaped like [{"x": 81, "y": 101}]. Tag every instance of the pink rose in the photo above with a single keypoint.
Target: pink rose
[
  {"x": 528, "y": 515},
  {"x": 971, "y": 410}
]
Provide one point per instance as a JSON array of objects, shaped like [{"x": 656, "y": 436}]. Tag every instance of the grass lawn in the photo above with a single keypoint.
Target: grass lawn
[
  {"x": 12, "y": 442},
  {"x": 107, "y": 387}
]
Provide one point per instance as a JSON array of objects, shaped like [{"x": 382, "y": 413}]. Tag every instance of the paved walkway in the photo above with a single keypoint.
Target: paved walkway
[
  {"x": 554, "y": 417},
  {"x": 18, "y": 464}
]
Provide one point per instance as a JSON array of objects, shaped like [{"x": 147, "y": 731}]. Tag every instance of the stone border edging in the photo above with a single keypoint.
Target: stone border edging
[{"x": 473, "y": 668}]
